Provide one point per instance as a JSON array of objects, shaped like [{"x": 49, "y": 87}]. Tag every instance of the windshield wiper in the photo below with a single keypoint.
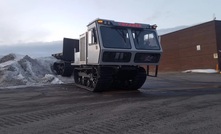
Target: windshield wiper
[{"x": 122, "y": 34}]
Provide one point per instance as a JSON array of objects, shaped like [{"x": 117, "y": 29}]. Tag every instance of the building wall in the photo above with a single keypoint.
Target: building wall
[
  {"x": 218, "y": 37},
  {"x": 180, "y": 48}
]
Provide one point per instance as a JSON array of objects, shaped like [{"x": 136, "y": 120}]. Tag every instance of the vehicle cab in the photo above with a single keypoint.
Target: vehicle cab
[{"x": 109, "y": 42}]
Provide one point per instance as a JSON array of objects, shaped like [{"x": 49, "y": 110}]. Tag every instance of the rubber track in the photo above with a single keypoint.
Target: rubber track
[
  {"x": 105, "y": 80},
  {"x": 139, "y": 79}
]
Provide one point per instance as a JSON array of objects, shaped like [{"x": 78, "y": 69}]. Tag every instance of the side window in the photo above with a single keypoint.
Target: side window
[
  {"x": 92, "y": 37},
  {"x": 149, "y": 40},
  {"x": 89, "y": 37}
]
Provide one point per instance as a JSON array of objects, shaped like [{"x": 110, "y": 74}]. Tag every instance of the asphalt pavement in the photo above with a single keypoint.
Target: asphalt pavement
[{"x": 172, "y": 103}]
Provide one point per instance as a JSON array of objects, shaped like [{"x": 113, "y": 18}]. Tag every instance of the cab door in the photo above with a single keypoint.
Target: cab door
[
  {"x": 93, "y": 47},
  {"x": 219, "y": 59}
]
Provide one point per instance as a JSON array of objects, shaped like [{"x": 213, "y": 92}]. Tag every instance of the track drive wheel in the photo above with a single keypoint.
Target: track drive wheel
[
  {"x": 64, "y": 69},
  {"x": 138, "y": 80},
  {"x": 101, "y": 79},
  {"x": 67, "y": 69},
  {"x": 77, "y": 78}
]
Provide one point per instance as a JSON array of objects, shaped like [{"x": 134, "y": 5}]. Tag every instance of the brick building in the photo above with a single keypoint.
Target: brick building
[{"x": 196, "y": 47}]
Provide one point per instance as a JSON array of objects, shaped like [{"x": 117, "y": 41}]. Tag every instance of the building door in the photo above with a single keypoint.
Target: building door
[{"x": 219, "y": 59}]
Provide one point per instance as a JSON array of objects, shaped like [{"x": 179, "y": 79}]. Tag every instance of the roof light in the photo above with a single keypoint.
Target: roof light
[
  {"x": 154, "y": 26},
  {"x": 105, "y": 22},
  {"x": 100, "y": 21}
]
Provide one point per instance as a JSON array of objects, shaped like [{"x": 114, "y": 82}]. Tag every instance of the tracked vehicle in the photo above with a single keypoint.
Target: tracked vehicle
[{"x": 110, "y": 55}]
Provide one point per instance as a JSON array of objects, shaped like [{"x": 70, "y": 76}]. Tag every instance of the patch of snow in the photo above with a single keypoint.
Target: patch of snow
[
  {"x": 201, "y": 71},
  {"x": 9, "y": 59},
  {"x": 6, "y": 63},
  {"x": 49, "y": 78}
]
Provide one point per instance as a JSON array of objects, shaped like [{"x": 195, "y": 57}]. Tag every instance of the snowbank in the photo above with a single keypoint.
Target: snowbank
[
  {"x": 201, "y": 71},
  {"x": 18, "y": 70}
]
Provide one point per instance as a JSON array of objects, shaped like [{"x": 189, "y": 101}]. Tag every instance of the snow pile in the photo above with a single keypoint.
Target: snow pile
[
  {"x": 17, "y": 70},
  {"x": 201, "y": 71}
]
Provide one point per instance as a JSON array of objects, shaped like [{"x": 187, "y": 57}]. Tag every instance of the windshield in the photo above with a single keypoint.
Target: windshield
[
  {"x": 144, "y": 39},
  {"x": 113, "y": 37}
]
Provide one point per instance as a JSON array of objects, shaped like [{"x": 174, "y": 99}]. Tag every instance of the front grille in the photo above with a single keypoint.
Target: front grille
[
  {"x": 147, "y": 58},
  {"x": 116, "y": 57}
]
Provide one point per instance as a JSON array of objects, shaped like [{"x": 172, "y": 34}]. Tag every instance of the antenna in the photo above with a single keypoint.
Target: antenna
[{"x": 214, "y": 16}]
